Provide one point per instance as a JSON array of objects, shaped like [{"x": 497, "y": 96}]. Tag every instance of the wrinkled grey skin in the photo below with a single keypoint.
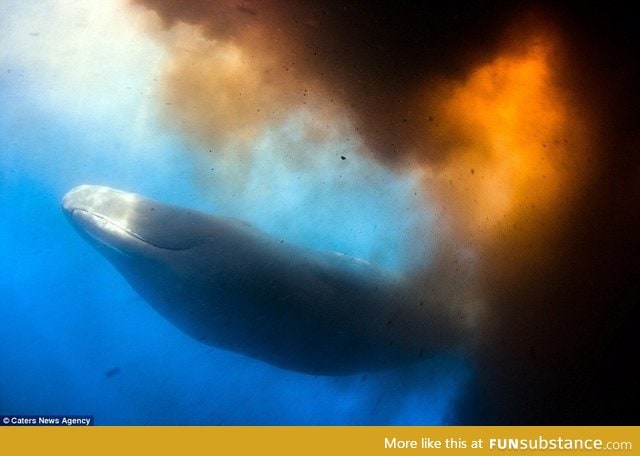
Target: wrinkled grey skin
[{"x": 229, "y": 285}]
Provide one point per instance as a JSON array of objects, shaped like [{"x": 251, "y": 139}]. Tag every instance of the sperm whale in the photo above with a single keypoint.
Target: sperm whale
[{"x": 230, "y": 285}]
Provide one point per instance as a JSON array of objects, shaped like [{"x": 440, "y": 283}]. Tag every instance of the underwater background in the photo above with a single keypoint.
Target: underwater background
[
  {"x": 77, "y": 105},
  {"x": 487, "y": 150}
]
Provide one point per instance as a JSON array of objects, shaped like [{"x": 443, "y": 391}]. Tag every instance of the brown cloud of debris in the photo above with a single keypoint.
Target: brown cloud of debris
[{"x": 522, "y": 129}]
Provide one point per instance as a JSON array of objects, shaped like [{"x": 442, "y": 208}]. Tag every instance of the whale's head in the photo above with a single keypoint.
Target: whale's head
[
  {"x": 170, "y": 255},
  {"x": 129, "y": 223},
  {"x": 160, "y": 247}
]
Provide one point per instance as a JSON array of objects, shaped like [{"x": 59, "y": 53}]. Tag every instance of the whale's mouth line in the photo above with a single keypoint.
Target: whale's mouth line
[{"x": 106, "y": 224}]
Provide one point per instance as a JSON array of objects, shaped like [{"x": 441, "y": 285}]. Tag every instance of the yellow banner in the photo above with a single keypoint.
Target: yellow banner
[{"x": 445, "y": 440}]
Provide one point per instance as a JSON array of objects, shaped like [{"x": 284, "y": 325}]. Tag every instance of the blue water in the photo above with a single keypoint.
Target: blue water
[{"x": 75, "y": 338}]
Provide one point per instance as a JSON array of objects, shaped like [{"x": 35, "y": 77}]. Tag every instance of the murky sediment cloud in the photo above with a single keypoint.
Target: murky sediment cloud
[{"x": 498, "y": 117}]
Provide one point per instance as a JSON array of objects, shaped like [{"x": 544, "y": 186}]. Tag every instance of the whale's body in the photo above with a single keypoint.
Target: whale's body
[{"x": 229, "y": 285}]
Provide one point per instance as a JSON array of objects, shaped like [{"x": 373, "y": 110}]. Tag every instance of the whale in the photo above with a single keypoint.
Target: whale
[{"x": 230, "y": 285}]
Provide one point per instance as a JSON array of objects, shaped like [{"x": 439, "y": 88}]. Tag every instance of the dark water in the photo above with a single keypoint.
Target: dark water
[{"x": 74, "y": 337}]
